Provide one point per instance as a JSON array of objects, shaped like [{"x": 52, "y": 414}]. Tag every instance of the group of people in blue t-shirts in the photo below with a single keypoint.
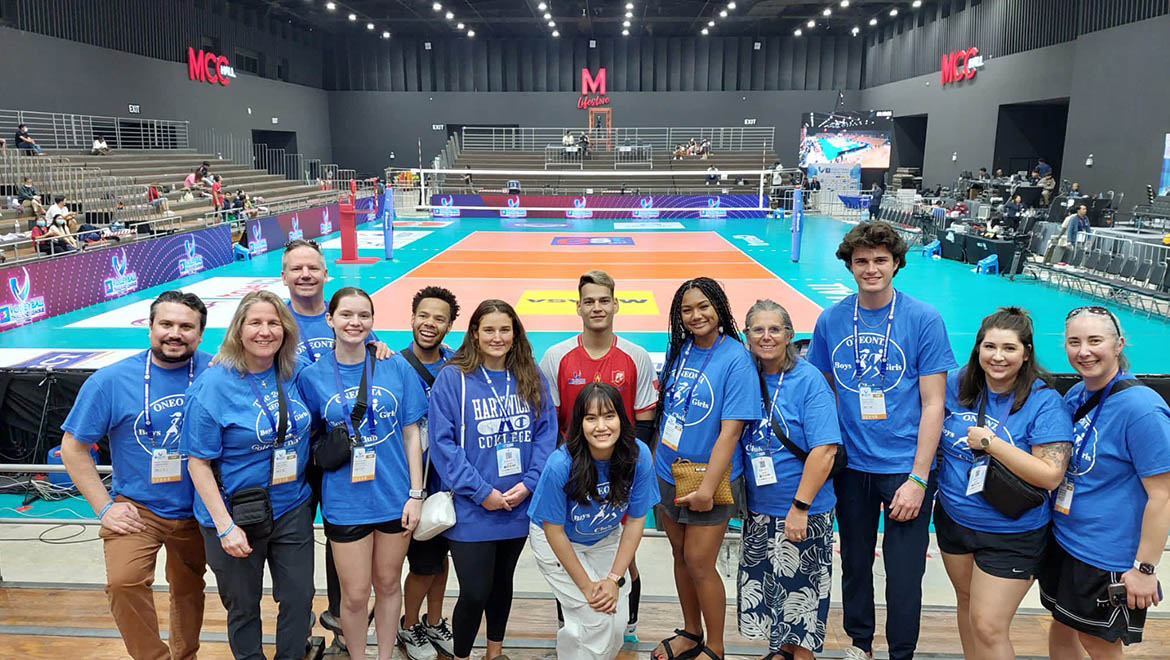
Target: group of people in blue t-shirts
[{"x": 225, "y": 460}]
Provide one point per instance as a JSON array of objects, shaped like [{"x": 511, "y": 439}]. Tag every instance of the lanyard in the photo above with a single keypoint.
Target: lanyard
[
  {"x": 292, "y": 419},
  {"x": 683, "y": 365},
  {"x": 768, "y": 435},
  {"x": 1075, "y": 466},
  {"x": 308, "y": 349},
  {"x": 146, "y": 395},
  {"x": 885, "y": 347},
  {"x": 345, "y": 403},
  {"x": 1005, "y": 409},
  {"x": 507, "y": 388}
]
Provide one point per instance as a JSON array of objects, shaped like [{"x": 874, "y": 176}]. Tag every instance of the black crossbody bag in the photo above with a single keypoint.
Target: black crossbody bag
[
  {"x": 840, "y": 460},
  {"x": 334, "y": 450},
  {"x": 1003, "y": 489},
  {"x": 413, "y": 360},
  {"x": 251, "y": 507}
]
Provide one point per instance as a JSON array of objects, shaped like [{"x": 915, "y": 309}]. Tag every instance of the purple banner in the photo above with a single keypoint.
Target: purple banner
[
  {"x": 63, "y": 284},
  {"x": 637, "y": 207},
  {"x": 273, "y": 231}
]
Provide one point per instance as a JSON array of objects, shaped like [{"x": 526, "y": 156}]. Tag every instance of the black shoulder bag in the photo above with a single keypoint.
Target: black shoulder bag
[
  {"x": 840, "y": 460},
  {"x": 251, "y": 507},
  {"x": 333, "y": 451}
]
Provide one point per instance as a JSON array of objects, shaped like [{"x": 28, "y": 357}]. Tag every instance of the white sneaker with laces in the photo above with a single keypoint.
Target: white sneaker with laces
[
  {"x": 854, "y": 653},
  {"x": 416, "y": 643},
  {"x": 440, "y": 635}
]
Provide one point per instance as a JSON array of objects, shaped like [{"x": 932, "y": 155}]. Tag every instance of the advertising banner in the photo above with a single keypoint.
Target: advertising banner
[
  {"x": 273, "y": 231},
  {"x": 639, "y": 207},
  {"x": 63, "y": 284}
]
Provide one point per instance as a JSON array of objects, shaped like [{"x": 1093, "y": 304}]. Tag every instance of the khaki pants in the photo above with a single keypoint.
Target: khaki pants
[{"x": 130, "y": 562}]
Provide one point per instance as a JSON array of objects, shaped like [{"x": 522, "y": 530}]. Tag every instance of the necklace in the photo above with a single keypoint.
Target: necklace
[{"x": 884, "y": 318}]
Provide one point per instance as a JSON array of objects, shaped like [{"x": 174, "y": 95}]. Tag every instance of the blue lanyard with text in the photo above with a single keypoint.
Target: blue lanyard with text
[
  {"x": 1075, "y": 466},
  {"x": 885, "y": 346},
  {"x": 768, "y": 435},
  {"x": 292, "y": 419},
  {"x": 1005, "y": 409},
  {"x": 507, "y": 388},
  {"x": 146, "y": 395},
  {"x": 345, "y": 402},
  {"x": 308, "y": 349},
  {"x": 683, "y": 365}
]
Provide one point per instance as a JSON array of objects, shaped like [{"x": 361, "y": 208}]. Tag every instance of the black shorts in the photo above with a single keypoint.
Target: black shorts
[
  {"x": 1077, "y": 595},
  {"x": 718, "y": 515},
  {"x": 1010, "y": 555},
  {"x": 427, "y": 557},
  {"x": 351, "y": 533}
]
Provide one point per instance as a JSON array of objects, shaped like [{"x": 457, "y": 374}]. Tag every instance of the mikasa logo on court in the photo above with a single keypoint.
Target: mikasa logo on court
[{"x": 870, "y": 358}]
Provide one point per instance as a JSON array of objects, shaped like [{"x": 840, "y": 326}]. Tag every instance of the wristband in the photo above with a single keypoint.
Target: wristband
[
  {"x": 917, "y": 479},
  {"x": 227, "y": 531},
  {"x": 105, "y": 509}
]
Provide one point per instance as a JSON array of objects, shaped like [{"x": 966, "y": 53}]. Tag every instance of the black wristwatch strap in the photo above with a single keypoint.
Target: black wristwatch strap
[{"x": 800, "y": 505}]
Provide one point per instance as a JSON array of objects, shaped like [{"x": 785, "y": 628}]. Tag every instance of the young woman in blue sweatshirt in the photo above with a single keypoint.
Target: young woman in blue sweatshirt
[{"x": 492, "y": 426}]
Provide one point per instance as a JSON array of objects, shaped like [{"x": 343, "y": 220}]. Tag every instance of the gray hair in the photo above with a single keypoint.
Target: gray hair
[{"x": 768, "y": 305}]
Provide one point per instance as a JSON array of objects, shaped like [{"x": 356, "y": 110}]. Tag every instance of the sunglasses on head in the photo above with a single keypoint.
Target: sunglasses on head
[
  {"x": 300, "y": 242},
  {"x": 1094, "y": 309}
]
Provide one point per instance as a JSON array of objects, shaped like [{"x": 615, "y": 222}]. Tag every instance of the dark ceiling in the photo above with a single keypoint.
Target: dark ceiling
[{"x": 493, "y": 19}]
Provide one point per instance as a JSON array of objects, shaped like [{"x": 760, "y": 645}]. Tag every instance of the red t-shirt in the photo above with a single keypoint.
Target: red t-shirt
[
  {"x": 626, "y": 366},
  {"x": 215, "y": 193}
]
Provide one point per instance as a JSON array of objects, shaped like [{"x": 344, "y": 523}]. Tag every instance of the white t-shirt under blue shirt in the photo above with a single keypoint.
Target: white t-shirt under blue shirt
[
  {"x": 395, "y": 400},
  {"x": 112, "y": 401},
  {"x": 225, "y": 423},
  {"x": 589, "y": 523},
  {"x": 1130, "y": 441},
  {"x": 805, "y": 411},
  {"x": 919, "y": 347},
  {"x": 727, "y": 387},
  {"x": 1041, "y": 420}
]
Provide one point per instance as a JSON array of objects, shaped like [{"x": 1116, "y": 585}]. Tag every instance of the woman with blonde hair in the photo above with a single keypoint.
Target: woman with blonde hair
[{"x": 246, "y": 433}]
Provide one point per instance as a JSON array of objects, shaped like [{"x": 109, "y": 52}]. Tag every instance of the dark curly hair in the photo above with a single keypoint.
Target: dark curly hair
[
  {"x": 439, "y": 293},
  {"x": 872, "y": 235}
]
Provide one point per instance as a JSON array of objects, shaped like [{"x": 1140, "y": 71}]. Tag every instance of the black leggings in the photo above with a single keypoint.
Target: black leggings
[{"x": 485, "y": 570}]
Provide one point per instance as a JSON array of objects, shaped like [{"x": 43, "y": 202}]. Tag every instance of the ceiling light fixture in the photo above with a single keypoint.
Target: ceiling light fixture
[
  {"x": 704, "y": 31},
  {"x": 797, "y": 33},
  {"x": 873, "y": 21},
  {"x": 731, "y": 5},
  {"x": 542, "y": 6},
  {"x": 629, "y": 5},
  {"x": 710, "y": 23},
  {"x": 437, "y": 7},
  {"x": 812, "y": 24},
  {"x": 827, "y": 12},
  {"x": 916, "y": 4},
  {"x": 556, "y": 33},
  {"x": 547, "y": 16},
  {"x": 894, "y": 11},
  {"x": 471, "y": 33},
  {"x": 330, "y": 6},
  {"x": 723, "y": 14},
  {"x": 385, "y": 34},
  {"x": 369, "y": 26},
  {"x": 625, "y": 33},
  {"x": 625, "y": 24},
  {"x": 459, "y": 26},
  {"x": 353, "y": 17},
  {"x": 629, "y": 14},
  {"x": 450, "y": 15},
  {"x": 844, "y": 3},
  {"x": 552, "y": 24}
]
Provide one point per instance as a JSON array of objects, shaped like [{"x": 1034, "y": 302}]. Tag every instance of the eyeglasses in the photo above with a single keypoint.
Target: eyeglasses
[
  {"x": 1094, "y": 309},
  {"x": 300, "y": 242}
]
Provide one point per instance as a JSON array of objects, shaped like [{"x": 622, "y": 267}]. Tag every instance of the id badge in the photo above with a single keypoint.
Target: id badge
[
  {"x": 507, "y": 460},
  {"x": 764, "y": 469},
  {"x": 873, "y": 402},
  {"x": 1064, "y": 497},
  {"x": 165, "y": 467},
  {"x": 363, "y": 465},
  {"x": 976, "y": 476},
  {"x": 671, "y": 432},
  {"x": 284, "y": 466}
]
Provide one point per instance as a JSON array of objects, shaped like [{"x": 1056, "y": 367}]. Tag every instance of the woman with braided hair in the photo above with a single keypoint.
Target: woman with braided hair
[{"x": 710, "y": 389}]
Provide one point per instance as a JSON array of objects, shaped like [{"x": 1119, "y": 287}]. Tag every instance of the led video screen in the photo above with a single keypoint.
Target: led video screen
[{"x": 853, "y": 138}]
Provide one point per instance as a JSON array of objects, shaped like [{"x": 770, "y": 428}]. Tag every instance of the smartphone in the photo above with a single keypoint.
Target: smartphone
[{"x": 1117, "y": 594}]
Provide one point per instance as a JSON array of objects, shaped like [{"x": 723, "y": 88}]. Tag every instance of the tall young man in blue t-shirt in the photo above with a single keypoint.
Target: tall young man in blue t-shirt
[
  {"x": 138, "y": 402},
  {"x": 433, "y": 311},
  {"x": 886, "y": 356}
]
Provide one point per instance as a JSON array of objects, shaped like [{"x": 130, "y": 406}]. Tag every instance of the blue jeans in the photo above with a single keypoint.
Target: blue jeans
[{"x": 861, "y": 498}]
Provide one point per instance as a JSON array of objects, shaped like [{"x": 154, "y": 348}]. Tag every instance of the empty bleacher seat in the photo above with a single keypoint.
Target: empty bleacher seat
[
  {"x": 1078, "y": 257},
  {"x": 1157, "y": 274},
  {"x": 1143, "y": 271},
  {"x": 1115, "y": 263},
  {"x": 1129, "y": 268}
]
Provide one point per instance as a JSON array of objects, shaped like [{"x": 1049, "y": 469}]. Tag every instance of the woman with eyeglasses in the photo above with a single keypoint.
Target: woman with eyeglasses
[
  {"x": 999, "y": 408},
  {"x": 785, "y": 568},
  {"x": 1111, "y": 514}
]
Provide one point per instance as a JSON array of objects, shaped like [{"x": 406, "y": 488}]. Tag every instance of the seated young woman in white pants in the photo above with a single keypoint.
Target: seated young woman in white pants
[{"x": 601, "y": 477}]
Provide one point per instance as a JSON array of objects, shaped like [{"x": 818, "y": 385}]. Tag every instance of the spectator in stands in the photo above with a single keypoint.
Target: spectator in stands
[
  {"x": 100, "y": 148},
  {"x": 983, "y": 175},
  {"x": 999, "y": 173},
  {"x": 3, "y": 146},
  {"x": 58, "y": 216},
  {"x": 1011, "y": 211},
  {"x": 156, "y": 200},
  {"x": 1074, "y": 224},
  {"x": 194, "y": 184},
  {"x": 467, "y": 181},
  {"x": 216, "y": 198},
  {"x": 203, "y": 173},
  {"x": 30, "y": 199},
  {"x": 814, "y": 184},
  {"x": 1047, "y": 184},
  {"x": 567, "y": 139},
  {"x": 1043, "y": 168},
  {"x": 875, "y": 200},
  {"x": 585, "y": 144},
  {"x": 24, "y": 141},
  {"x": 680, "y": 152},
  {"x": 712, "y": 175},
  {"x": 48, "y": 240},
  {"x": 705, "y": 149}
]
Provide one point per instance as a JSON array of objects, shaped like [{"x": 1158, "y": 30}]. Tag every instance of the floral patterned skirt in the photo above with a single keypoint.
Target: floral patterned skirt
[{"x": 783, "y": 593}]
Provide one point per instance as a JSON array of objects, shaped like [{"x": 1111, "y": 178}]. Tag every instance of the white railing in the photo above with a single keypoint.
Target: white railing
[
  {"x": 559, "y": 155},
  {"x": 57, "y": 130},
  {"x": 634, "y": 155},
  {"x": 729, "y": 138}
]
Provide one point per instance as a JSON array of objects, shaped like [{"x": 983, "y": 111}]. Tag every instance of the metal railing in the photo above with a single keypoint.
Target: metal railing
[
  {"x": 58, "y": 130},
  {"x": 558, "y": 155},
  {"x": 277, "y": 161},
  {"x": 634, "y": 155},
  {"x": 664, "y": 139}
]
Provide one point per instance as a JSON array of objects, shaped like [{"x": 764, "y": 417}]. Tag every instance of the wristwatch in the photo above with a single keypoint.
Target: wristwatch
[
  {"x": 619, "y": 580},
  {"x": 417, "y": 494},
  {"x": 800, "y": 504},
  {"x": 985, "y": 442},
  {"x": 1143, "y": 568}
]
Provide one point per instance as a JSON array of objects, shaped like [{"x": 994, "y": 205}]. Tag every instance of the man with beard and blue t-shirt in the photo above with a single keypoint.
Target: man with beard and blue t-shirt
[
  {"x": 887, "y": 356},
  {"x": 138, "y": 403},
  {"x": 433, "y": 311}
]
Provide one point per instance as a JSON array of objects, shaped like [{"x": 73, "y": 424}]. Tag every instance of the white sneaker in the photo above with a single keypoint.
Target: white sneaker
[
  {"x": 854, "y": 653},
  {"x": 440, "y": 635},
  {"x": 416, "y": 643}
]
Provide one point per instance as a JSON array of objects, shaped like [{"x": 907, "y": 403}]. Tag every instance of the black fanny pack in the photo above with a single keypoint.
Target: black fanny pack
[
  {"x": 1005, "y": 491},
  {"x": 252, "y": 512},
  {"x": 333, "y": 451}
]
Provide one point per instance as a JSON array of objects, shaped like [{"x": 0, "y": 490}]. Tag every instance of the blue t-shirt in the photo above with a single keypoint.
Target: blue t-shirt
[
  {"x": 395, "y": 400},
  {"x": 224, "y": 421},
  {"x": 919, "y": 348},
  {"x": 804, "y": 409},
  {"x": 434, "y": 483},
  {"x": 1130, "y": 441},
  {"x": 726, "y": 388},
  {"x": 589, "y": 523},
  {"x": 472, "y": 471},
  {"x": 111, "y": 403},
  {"x": 315, "y": 334},
  {"x": 1041, "y": 420}
]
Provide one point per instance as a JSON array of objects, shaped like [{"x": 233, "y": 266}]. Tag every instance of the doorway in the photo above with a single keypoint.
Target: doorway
[
  {"x": 909, "y": 142},
  {"x": 1028, "y": 132},
  {"x": 286, "y": 140}
]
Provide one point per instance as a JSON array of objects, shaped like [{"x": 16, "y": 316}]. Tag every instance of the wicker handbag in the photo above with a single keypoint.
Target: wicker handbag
[{"x": 689, "y": 475}]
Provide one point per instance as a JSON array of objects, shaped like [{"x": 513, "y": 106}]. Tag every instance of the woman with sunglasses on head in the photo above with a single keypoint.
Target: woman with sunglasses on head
[
  {"x": 601, "y": 473},
  {"x": 999, "y": 408},
  {"x": 492, "y": 425},
  {"x": 1111, "y": 514},
  {"x": 710, "y": 388},
  {"x": 785, "y": 569},
  {"x": 371, "y": 456}
]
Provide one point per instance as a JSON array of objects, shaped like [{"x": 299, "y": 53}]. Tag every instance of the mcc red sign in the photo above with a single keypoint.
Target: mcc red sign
[
  {"x": 960, "y": 65},
  {"x": 208, "y": 67}
]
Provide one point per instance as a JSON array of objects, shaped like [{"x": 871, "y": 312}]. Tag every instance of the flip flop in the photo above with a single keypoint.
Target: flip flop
[{"x": 685, "y": 655}]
